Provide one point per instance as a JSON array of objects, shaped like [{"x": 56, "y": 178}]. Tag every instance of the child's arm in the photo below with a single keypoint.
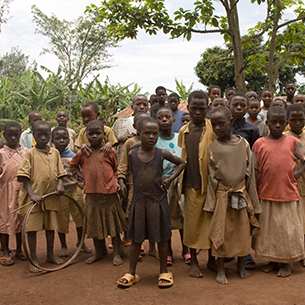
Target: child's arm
[
  {"x": 300, "y": 154},
  {"x": 106, "y": 148},
  {"x": 86, "y": 150},
  {"x": 27, "y": 184},
  {"x": 60, "y": 187},
  {"x": 255, "y": 162},
  {"x": 75, "y": 165},
  {"x": 180, "y": 166}
]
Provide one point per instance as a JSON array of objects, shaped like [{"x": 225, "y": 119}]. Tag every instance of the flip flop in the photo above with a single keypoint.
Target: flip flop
[
  {"x": 169, "y": 261},
  {"x": 126, "y": 243},
  {"x": 249, "y": 263},
  {"x": 187, "y": 258},
  {"x": 4, "y": 261},
  {"x": 21, "y": 256},
  {"x": 131, "y": 279},
  {"x": 168, "y": 277}
]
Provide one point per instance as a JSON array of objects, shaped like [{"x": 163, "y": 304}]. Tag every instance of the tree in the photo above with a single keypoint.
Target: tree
[
  {"x": 125, "y": 17},
  {"x": 4, "y": 10},
  {"x": 181, "y": 90},
  {"x": 81, "y": 45},
  {"x": 13, "y": 63}
]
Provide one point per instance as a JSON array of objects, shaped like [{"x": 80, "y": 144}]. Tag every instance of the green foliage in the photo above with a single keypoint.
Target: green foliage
[
  {"x": 181, "y": 90},
  {"x": 4, "y": 10}
]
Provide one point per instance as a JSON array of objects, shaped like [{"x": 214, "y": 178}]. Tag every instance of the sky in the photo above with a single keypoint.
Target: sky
[{"x": 149, "y": 61}]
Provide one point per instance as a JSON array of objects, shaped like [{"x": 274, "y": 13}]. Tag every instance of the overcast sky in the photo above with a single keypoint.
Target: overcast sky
[{"x": 149, "y": 61}]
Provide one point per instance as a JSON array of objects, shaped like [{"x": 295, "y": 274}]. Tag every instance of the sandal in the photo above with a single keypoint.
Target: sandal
[
  {"x": 126, "y": 243},
  {"x": 21, "y": 256},
  {"x": 131, "y": 279},
  {"x": 168, "y": 277},
  {"x": 249, "y": 263},
  {"x": 169, "y": 261},
  {"x": 6, "y": 261},
  {"x": 187, "y": 258}
]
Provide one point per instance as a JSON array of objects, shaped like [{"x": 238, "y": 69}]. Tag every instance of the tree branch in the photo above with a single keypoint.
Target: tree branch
[
  {"x": 224, "y": 59},
  {"x": 290, "y": 21}
]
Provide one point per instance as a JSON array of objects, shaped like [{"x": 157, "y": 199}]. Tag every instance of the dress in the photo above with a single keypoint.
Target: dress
[
  {"x": 149, "y": 215},
  {"x": 232, "y": 197},
  {"x": 282, "y": 236},
  {"x": 10, "y": 160}
]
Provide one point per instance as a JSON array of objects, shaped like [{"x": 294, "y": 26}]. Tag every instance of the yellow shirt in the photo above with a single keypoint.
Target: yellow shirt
[
  {"x": 82, "y": 137},
  {"x": 207, "y": 137}
]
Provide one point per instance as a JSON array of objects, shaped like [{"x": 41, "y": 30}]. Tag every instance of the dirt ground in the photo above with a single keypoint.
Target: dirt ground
[{"x": 96, "y": 284}]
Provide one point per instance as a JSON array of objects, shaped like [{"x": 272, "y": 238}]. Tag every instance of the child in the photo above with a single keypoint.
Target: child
[
  {"x": 168, "y": 140},
  {"x": 279, "y": 102},
  {"x": 255, "y": 95},
  {"x": 26, "y": 139},
  {"x": 194, "y": 140},
  {"x": 281, "y": 239},
  {"x": 218, "y": 101},
  {"x": 153, "y": 99},
  {"x": 253, "y": 111},
  {"x": 10, "y": 224},
  {"x": 290, "y": 90},
  {"x": 229, "y": 92},
  {"x": 161, "y": 97},
  {"x": 231, "y": 197},
  {"x": 214, "y": 92},
  {"x": 296, "y": 120},
  {"x": 91, "y": 112},
  {"x": 173, "y": 102},
  {"x": 62, "y": 119},
  {"x": 149, "y": 215},
  {"x": 60, "y": 139},
  {"x": 238, "y": 106},
  {"x": 103, "y": 211},
  {"x": 185, "y": 118},
  {"x": 267, "y": 97},
  {"x": 299, "y": 99},
  {"x": 41, "y": 173}
]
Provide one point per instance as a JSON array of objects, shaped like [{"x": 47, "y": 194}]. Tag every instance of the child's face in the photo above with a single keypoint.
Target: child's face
[
  {"x": 215, "y": 92},
  {"x": 251, "y": 94},
  {"x": 217, "y": 102},
  {"x": 62, "y": 118},
  {"x": 12, "y": 136},
  {"x": 185, "y": 119},
  {"x": 278, "y": 103},
  {"x": 61, "y": 139},
  {"x": 165, "y": 119},
  {"x": 161, "y": 96},
  {"x": 197, "y": 109},
  {"x": 140, "y": 104},
  {"x": 153, "y": 100},
  {"x": 253, "y": 109},
  {"x": 229, "y": 94},
  {"x": 173, "y": 103},
  {"x": 238, "y": 107},
  {"x": 296, "y": 121},
  {"x": 34, "y": 118},
  {"x": 149, "y": 134},
  {"x": 267, "y": 98},
  {"x": 95, "y": 135},
  {"x": 42, "y": 135},
  {"x": 221, "y": 124},
  {"x": 298, "y": 99},
  {"x": 290, "y": 90},
  {"x": 89, "y": 115},
  {"x": 276, "y": 123}
]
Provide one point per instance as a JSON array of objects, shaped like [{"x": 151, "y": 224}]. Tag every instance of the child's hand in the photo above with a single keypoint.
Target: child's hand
[
  {"x": 106, "y": 148},
  {"x": 60, "y": 188},
  {"x": 36, "y": 198},
  {"x": 166, "y": 182},
  {"x": 86, "y": 150},
  {"x": 123, "y": 189}
]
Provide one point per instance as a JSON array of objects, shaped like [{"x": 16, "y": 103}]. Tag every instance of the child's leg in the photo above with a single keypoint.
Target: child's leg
[
  {"x": 243, "y": 273},
  {"x": 169, "y": 258},
  {"x": 19, "y": 253},
  {"x": 32, "y": 246},
  {"x": 212, "y": 265},
  {"x": 50, "y": 245},
  {"x": 5, "y": 260},
  {"x": 98, "y": 255},
  {"x": 185, "y": 251},
  {"x": 152, "y": 250},
  {"x": 285, "y": 270},
  {"x": 163, "y": 250},
  {"x": 85, "y": 248},
  {"x": 221, "y": 277},
  {"x": 135, "y": 249},
  {"x": 64, "y": 249},
  {"x": 195, "y": 271},
  {"x": 117, "y": 260}
]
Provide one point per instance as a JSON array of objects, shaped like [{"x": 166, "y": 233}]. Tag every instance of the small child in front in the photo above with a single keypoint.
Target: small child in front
[
  {"x": 281, "y": 239},
  {"x": 149, "y": 215},
  {"x": 41, "y": 173},
  {"x": 231, "y": 196},
  {"x": 10, "y": 224},
  {"x": 103, "y": 211}
]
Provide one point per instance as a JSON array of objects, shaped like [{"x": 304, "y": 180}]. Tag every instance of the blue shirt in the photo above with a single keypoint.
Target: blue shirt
[{"x": 178, "y": 123}]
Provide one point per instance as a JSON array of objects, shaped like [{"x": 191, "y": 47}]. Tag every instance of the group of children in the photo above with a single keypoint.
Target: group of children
[{"x": 218, "y": 181}]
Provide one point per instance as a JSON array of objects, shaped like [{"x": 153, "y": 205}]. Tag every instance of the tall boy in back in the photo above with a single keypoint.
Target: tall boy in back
[
  {"x": 26, "y": 139},
  {"x": 281, "y": 239},
  {"x": 173, "y": 102},
  {"x": 267, "y": 98},
  {"x": 60, "y": 139},
  {"x": 161, "y": 97},
  {"x": 296, "y": 121},
  {"x": 290, "y": 90},
  {"x": 91, "y": 112},
  {"x": 194, "y": 140},
  {"x": 41, "y": 173}
]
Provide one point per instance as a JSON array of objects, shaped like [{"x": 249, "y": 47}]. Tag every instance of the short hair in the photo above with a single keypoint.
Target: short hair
[
  {"x": 266, "y": 90},
  {"x": 146, "y": 120},
  {"x": 134, "y": 99},
  {"x": 254, "y": 99},
  {"x": 93, "y": 106},
  {"x": 217, "y": 99},
  {"x": 13, "y": 124},
  {"x": 166, "y": 108},
  {"x": 213, "y": 87},
  {"x": 184, "y": 114},
  {"x": 295, "y": 107},
  {"x": 160, "y": 88},
  {"x": 275, "y": 110},
  {"x": 58, "y": 128},
  {"x": 174, "y": 94},
  {"x": 95, "y": 123},
  {"x": 240, "y": 95},
  {"x": 280, "y": 100},
  {"x": 224, "y": 110},
  {"x": 137, "y": 117},
  {"x": 33, "y": 113},
  {"x": 64, "y": 112},
  {"x": 289, "y": 82},
  {"x": 229, "y": 89},
  {"x": 103, "y": 120},
  {"x": 152, "y": 95},
  {"x": 40, "y": 123},
  {"x": 197, "y": 94},
  {"x": 252, "y": 91}
]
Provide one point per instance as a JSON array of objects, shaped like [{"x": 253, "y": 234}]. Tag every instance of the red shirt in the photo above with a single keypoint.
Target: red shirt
[{"x": 98, "y": 171}]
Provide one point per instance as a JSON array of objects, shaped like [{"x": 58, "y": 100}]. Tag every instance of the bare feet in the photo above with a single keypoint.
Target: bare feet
[
  {"x": 64, "y": 252},
  {"x": 34, "y": 269},
  {"x": 284, "y": 271},
  {"x": 243, "y": 273},
  {"x": 94, "y": 258},
  {"x": 221, "y": 277},
  {"x": 270, "y": 267},
  {"x": 54, "y": 259},
  {"x": 153, "y": 252},
  {"x": 86, "y": 249},
  {"x": 195, "y": 271},
  {"x": 117, "y": 260}
]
